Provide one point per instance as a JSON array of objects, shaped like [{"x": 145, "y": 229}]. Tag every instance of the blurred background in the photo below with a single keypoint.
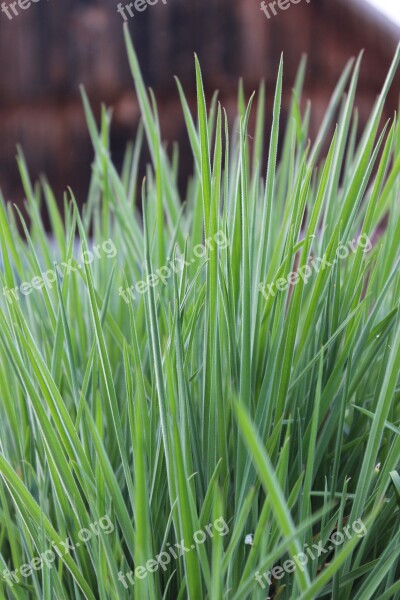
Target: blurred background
[{"x": 51, "y": 47}]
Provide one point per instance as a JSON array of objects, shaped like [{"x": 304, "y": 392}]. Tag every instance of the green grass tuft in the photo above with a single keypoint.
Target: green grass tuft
[{"x": 248, "y": 383}]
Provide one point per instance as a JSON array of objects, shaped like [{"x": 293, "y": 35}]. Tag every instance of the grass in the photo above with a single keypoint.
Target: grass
[{"x": 205, "y": 405}]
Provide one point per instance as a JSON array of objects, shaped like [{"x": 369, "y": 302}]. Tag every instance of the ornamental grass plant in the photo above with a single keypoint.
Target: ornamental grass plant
[{"x": 237, "y": 429}]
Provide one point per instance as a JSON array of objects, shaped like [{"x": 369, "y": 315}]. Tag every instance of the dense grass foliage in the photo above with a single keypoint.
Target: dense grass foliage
[{"x": 243, "y": 394}]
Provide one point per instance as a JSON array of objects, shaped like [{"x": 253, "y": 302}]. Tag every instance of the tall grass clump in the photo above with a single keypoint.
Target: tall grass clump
[{"x": 216, "y": 385}]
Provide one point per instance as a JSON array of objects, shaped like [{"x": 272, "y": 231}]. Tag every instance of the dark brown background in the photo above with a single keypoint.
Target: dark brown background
[{"x": 50, "y": 48}]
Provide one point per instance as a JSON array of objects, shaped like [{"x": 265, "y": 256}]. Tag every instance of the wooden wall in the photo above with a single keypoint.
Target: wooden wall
[{"x": 49, "y": 49}]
